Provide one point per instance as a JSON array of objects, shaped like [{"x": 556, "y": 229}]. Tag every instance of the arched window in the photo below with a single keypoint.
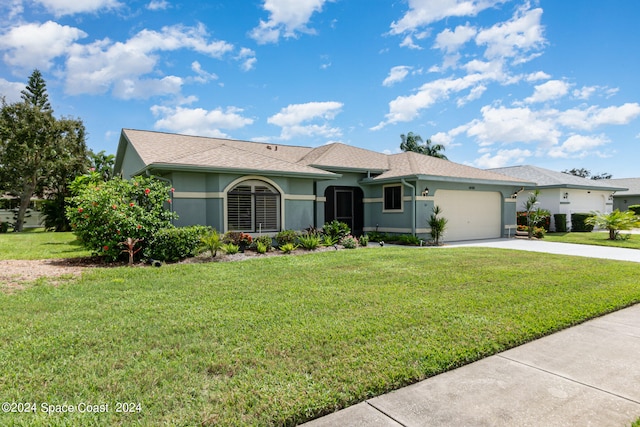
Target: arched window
[{"x": 253, "y": 206}]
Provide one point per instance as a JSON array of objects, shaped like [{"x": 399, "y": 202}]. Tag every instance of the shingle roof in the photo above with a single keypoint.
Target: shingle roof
[
  {"x": 633, "y": 185},
  {"x": 548, "y": 178},
  {"x": 158, "y": 149},
  {"x": 414, "y": 164},
  {"x": 341, "y": 156}
]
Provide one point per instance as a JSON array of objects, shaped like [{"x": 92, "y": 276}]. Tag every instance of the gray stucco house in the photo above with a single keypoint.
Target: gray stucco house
[{"x": 264, "y": 188}]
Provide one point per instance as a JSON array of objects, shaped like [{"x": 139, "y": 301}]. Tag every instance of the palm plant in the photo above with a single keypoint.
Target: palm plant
[
  {"x": 615, "y": 222},
  {"x": 413, "y": 142},
  {"x": 437, "y": 224}
]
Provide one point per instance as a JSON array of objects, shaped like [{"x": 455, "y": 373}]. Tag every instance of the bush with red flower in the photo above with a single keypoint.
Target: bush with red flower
[{"x": 103, "y": 214}]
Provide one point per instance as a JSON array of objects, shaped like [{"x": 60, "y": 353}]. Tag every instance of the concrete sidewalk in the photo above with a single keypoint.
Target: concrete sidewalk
[{"x": 587, "y": 375}]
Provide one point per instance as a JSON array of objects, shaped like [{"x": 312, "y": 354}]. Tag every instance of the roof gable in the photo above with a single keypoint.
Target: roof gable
[{"x": 340, "y": 156}]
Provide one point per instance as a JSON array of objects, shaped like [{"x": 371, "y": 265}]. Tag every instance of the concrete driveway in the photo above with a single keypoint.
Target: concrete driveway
[{"x": 590, "y": 251}]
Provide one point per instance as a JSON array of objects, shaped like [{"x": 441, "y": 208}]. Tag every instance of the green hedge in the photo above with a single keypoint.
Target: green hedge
[
  {"x": 561, "y": 222},
  {"x": 635, "y": 209},
  {"x": 175, "y": 243},
  {"x": 577, "y": 222}
]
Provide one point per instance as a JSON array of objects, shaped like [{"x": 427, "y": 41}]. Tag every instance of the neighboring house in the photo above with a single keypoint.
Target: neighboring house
[
  {"x": 563, "y": 193},
  {"x": 264, "y": 188},
  {"x": 623, "y": 199},
  {"x": 9, "y": 205}
]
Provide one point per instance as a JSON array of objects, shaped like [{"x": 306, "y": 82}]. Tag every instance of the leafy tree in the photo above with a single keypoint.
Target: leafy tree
[
  {"x": 585, "y": 173},
  {"x": 106, "y": 214},
  {"x": 103, "y": 164},
  {"x": 39, "y": 154},
  {"x": 413, "y": 142},
  {"x": 615, "y": 222}
]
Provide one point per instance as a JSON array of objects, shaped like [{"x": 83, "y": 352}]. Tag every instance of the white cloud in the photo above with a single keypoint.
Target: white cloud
[
  {"x": 158, "y": 5},
  {"x": 11, "y": 90},
  {"x": 578, "y": 146},
  {"x": 37, "y": 45},
  {"x": 407, "y": 108},
  {"x": 553, "y": 89},
  {"x": 502, "y": 158},
  {"x": 510, "y": 125},
  {"x": 396, "y": 75},
  {"x": 425, "y": 12},
  {"x": 592, "y": 117},
  {"x": 450, "y": 41},
  {"x": 287, "y": 17},
  {"x": 514, "y": 38},
  {"x": 538, "y": 75},
  {"x": 585, "y": 92},
  {"x": 133, "y": 88},
  {"x": 203, "y": 76},
  {"x": 292, "y": 117},
  {"x": 198, "y": 121},
  {"x": 248, "y": 59},
  {"x": 70, "y": 7},
  {"x": 97, "y": 67}
]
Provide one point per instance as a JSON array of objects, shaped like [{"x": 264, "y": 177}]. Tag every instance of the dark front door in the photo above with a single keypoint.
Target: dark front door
[{"x": 345, "y": 204}]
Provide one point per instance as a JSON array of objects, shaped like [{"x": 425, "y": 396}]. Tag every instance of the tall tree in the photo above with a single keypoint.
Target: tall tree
[
  {"x": 37, "y": 152},
  {"x": 413, "y": 142},
  {"x": 103, "y": 164},
  {"x": 35, "y": 93}
]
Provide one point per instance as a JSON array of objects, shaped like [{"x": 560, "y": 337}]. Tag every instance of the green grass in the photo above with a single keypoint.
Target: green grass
[
  {"x": 281, "y": 340},
  {"x": 595, "y": 238},
  {"x": 38, "y": 244}
]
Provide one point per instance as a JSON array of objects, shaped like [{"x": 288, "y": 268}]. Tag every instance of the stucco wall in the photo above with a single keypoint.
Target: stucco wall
[{"x": 623, "y": 202}]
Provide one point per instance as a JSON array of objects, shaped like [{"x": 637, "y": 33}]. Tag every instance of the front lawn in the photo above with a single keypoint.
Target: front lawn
[
  {"x": 38, "y": 244},
  {"x": 281, "y": 340},
  {"x": 595, "y": 238}
]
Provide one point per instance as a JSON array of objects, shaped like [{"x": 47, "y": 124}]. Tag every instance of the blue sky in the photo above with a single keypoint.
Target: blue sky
[{"x": 498, "y": 82}]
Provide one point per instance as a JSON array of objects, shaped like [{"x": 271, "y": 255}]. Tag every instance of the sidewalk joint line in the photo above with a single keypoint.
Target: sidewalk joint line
[
  {"x": 570, "y": 379},
  {"x": 384, "y": 413}
]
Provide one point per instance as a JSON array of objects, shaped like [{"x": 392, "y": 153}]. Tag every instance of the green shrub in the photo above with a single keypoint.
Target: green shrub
[
  {"x": 363, "y": 240},
  {"x": 287, "y": 248},
  {"x": 175, "y": 243},
  {"x": 327, "y": 240},
  {"x": 4, "y": 227},
  {"x": 336, "y": 229},
  {"x": 375, "y": 236},
  {"x": 408, "y": 239},
  {"x": 561, "y": 222},
  {"x": 212, "y": 242},
  {"x": 309, "y": 241},
  {"x": 578, "y": 222},
  {"x": 286, "y": 236},
  {"x": 231, "y": 248},
  {"x": 104, "y": 214},
  {"x": 261, "y": 247},
  {"x": 635, "y": 209},
  {"x": 349, "y": 242},
  {"x": 267, "y": 241}
]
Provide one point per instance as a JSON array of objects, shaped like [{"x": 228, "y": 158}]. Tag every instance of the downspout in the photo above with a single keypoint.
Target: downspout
[{"x": 413, "y": 203}]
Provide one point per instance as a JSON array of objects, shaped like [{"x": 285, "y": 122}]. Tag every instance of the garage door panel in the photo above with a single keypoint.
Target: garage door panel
[{"x": 470, "y": 214}]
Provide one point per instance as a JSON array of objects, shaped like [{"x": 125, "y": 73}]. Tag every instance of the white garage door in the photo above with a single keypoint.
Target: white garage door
[{"x": 471, "y": 214}]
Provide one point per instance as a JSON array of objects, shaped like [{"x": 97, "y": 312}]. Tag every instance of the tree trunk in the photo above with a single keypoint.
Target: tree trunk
[
  {"x": 612, "y": 234},
  {"x": 25, "y": 201}
]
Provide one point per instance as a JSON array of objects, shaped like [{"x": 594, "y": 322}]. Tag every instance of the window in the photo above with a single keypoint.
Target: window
[
  {"x": 393, "y": 198},
  {"x": 253, "y": 206}
]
